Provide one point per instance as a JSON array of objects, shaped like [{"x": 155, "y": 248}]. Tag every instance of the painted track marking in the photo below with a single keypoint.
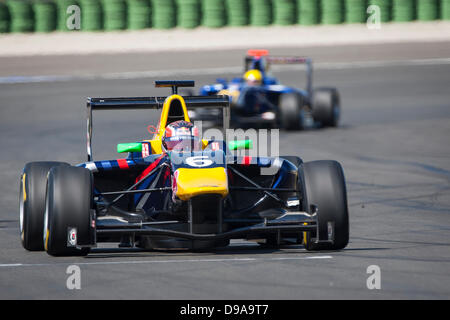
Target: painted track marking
[
  {"x": 219, "y": 70},
  {"x": 10, "y": 265}
]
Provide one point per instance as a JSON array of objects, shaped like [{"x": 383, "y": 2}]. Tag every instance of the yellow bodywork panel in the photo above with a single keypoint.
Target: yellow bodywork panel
[
  {"x": 194, "y": 182},
  {"x": 156, "y": 146},
  {"x": 157, "y": 138},
  {"x": 204, "y": 143},
  {"x": 165, "y": 113}
]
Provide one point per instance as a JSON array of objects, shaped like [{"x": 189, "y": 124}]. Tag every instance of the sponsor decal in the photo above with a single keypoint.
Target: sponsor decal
[
  {"x": 183, "y": 131},
  {"x": 145, "y": 150},
  {"x": 215, "y": 146},
  {"x": 168, "y": 132},
  {"x": 72, "y": 237}
]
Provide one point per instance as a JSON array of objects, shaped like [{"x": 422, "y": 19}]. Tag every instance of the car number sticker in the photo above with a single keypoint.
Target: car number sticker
[{"x": 199, "y": 161}]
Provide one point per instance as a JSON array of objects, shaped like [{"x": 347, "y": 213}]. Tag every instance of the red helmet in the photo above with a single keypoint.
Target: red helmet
[{"x": 181, "y": 136}]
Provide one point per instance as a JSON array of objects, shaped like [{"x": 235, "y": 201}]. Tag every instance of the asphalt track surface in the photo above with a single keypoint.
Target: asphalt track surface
[{"x": 393, "y": 143}]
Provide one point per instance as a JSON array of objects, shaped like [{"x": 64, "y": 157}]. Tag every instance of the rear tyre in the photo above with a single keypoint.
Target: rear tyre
[
  {"x": 33, "y": 182},
  {"x": 68, "y": 203},
  {"x": 325, "y": 188},
  {"x": 327, "y": 107},
  {"x": 291, "y": 114}
]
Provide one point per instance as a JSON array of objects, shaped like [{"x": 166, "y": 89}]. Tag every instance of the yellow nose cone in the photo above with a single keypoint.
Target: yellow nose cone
[{"x": 194, "y": 182}]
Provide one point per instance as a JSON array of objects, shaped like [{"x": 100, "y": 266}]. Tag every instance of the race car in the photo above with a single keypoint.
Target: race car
[
  {"x": 196, "y": 197},
  {"x": 260, "y": 100}
]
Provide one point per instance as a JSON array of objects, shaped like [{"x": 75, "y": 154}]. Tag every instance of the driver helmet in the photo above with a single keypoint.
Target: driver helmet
[
  {"x": 253, "y": 77},
  {"x": 181, "y": 136}
]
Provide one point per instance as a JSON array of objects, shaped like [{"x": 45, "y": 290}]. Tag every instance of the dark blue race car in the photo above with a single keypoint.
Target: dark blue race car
[
  {"x": 260, "y": 100},
  {"x": 161, "y": 196}
]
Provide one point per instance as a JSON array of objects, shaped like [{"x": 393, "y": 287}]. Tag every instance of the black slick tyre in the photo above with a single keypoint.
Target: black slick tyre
[
  {"x": 67, "y": 221},
  {"x": 33, "y": 183},
  {"x": 325, "y": 188},
  {"x": 290, "y": 111}
]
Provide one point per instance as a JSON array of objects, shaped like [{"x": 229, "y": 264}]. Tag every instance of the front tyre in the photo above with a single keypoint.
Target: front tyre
[
  {"x": 68, "y": 220},
  {"x": 325, "y": 188},
  {"x": 33, "y": 182}
]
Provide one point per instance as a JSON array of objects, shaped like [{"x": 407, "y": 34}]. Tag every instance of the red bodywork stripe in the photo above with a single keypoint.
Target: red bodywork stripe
[
  {"x": 166, "y": 175},
  {"x": 247, "y": 160},
  {"x": 148, "y": 169},
  {"x": 123, "y": 164}
]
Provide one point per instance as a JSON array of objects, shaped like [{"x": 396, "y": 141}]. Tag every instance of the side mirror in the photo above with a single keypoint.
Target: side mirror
[
  {"x": 240, "y": 144},
  {"x": 129, "y": 147}
]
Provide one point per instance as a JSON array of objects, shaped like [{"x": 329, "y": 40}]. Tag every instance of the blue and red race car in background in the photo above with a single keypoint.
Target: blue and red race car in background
[{"x": 260, "y": 100}]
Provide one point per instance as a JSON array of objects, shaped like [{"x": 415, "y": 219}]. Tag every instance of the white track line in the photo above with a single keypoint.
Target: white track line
[
  {"x": 10, "y": 265},
  {"x": 220, "y": 71}
]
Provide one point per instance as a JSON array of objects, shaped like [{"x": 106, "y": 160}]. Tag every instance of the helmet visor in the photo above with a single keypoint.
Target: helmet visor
[{"x": 183, "y": 144}]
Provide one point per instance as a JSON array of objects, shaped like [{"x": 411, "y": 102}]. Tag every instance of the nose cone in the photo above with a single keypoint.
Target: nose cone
[{"x": 193, "y": 182}]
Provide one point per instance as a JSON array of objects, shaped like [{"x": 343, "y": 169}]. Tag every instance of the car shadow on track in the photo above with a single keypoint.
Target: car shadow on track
[
  {"x": 237, "y": 249},
  {"x": 9, "y": 224}
]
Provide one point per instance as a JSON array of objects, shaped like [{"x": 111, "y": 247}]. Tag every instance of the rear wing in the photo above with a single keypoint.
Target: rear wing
[
  {"x": 140, "y": 103},
  {"x": 262, "y": 59},
  {"x": 136, "y": 103}
]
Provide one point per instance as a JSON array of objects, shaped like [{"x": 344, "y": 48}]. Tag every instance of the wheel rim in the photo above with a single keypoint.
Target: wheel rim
[
  {"x": 21, "y": 207},
  {"x": 45, "y": 235}
]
